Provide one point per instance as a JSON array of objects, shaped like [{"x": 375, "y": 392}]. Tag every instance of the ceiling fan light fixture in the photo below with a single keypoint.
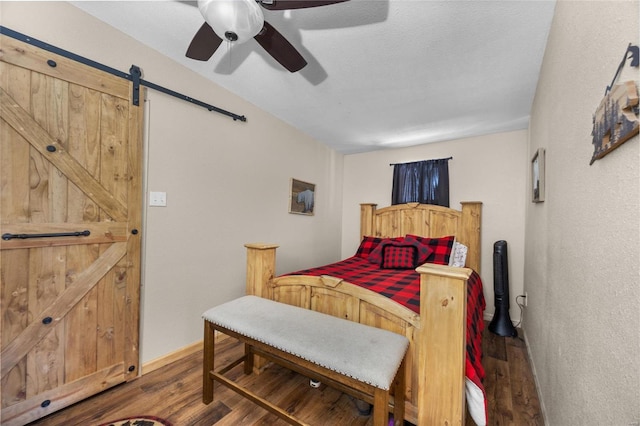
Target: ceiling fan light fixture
[{"x": 234, "y": 20}]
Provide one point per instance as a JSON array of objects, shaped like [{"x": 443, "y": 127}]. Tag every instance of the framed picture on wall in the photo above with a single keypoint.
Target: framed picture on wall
[
  {"x": 537, "y": 176},
  {"x": 302, "y": 197}
]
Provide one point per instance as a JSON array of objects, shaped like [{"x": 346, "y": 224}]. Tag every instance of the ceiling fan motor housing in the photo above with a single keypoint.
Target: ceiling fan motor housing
[
  {"x": 233, "y": 20},
  {"x": 240, "y": 20}
]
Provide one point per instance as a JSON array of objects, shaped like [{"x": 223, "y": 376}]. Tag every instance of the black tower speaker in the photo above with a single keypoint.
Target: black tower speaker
[{"x": 501, "y": 323}]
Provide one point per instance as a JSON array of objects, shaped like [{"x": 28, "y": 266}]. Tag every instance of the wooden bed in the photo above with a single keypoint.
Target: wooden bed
[{"x": 437, "y": 335}]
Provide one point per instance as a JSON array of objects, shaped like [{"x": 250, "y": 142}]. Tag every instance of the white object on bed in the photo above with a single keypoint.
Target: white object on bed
[
  {"x": 476, "y": 403},
  {"x": 458, "y": 255}
]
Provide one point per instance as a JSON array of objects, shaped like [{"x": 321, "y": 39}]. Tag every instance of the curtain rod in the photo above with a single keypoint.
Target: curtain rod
[{"x": 435, "y": 159}]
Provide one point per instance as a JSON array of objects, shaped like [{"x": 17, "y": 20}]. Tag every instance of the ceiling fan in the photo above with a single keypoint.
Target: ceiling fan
[{"x": 240, "y": 20}]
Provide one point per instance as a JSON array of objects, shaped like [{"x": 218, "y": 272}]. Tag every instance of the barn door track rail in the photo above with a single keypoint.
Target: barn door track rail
[{"x": 134, "y": 76}]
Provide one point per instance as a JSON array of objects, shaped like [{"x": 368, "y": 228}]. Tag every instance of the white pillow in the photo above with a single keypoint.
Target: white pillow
[{"x": 458, "y": 255}]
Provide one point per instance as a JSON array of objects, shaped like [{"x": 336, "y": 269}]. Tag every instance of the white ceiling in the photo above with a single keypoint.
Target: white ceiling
[{"x": 380, "y": 73}]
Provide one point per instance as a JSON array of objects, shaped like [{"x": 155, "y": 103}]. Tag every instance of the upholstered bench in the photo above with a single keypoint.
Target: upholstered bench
[{"x": 363, "y": 361}]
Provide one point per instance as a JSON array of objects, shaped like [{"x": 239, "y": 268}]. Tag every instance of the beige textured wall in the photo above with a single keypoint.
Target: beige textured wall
[
  {"x": 582, "y": 244},
  {"x": 227, "y": 182},
  {"x": 492, "y": 169}
]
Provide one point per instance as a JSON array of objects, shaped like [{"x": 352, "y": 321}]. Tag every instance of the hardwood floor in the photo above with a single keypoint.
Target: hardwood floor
[
  {"x": 510, "y": 388},
  {"x": 174, "y": 393}
]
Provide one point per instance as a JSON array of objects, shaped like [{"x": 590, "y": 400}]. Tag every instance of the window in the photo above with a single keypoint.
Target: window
[{"x": 424, "y": 182}]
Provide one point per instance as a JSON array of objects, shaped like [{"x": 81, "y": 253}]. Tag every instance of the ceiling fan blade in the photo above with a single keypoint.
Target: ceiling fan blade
[
  {"x": 279, "y": 48},
  {"x": 204, "y": 43},
  {"x": 296, "y": 4}
]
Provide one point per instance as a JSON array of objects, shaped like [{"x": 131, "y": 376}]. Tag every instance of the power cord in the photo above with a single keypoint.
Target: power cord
[{"x": 521, "y": 305}]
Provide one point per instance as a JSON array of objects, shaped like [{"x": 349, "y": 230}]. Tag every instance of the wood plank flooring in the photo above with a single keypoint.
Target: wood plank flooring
[{"x": 174, "y": 393}]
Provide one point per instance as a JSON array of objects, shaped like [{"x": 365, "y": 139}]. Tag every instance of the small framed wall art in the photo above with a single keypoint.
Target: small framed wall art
[
  {"x": 537, "y": 176},
  {"x": 302, "y": 197}
]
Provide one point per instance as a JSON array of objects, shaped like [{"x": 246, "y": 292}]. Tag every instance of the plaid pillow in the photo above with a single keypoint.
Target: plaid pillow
[
  {"x": 441, "y": 248},
  {"x": 366, "y": 246},
  {"x": 399, "y": 256},
  {"x": 422, "y": 251}
]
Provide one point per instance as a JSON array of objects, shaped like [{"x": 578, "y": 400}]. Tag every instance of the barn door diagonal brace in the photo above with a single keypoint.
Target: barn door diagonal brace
[{"x": 134, "y": 77}]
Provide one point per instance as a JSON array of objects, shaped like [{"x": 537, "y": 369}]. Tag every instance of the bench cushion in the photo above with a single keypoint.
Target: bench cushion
[{"x": 368, "y": 354}]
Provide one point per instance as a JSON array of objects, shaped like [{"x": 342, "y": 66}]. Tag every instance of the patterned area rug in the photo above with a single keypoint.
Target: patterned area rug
[{"x": 139, "y": 421}]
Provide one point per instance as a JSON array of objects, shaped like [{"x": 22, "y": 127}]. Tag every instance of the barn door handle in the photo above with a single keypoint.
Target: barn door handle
[{"x": 8, "y": 237}]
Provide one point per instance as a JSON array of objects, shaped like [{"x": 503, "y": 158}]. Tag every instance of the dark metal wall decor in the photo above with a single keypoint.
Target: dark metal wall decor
[{"x": 616, "y": 118}]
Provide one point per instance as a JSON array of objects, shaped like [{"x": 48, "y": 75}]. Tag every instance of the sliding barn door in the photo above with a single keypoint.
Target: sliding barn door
[{"x": 70, "y": 209}]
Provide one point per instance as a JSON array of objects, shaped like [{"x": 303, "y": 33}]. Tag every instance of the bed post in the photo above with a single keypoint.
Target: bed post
[
  {"x": 471, "y": 221},
  {"x": 261, "y": 267},
  {"x": 366, "y": 219},
  {"x": 441, "y": 355}
]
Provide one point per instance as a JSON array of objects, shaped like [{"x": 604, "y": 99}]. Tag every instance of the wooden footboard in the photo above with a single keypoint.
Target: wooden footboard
[{"x": 437, "y": 336}]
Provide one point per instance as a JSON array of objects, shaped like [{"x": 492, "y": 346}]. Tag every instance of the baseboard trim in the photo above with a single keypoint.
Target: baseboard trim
[
  {"x": 535, "y": 377},
  {"x": 167, "y": 359}
]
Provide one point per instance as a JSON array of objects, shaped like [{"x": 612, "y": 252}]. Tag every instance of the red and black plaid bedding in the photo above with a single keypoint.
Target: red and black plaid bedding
[{"x": 403, "y": 286}]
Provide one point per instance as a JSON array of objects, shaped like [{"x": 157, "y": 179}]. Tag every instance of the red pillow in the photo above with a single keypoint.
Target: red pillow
[
  {"x": 399, "y": 256},
  {"x": 441, "y": 248},
  {"x": 367, "y": 245},
  {"x": 422, "y": 251}
]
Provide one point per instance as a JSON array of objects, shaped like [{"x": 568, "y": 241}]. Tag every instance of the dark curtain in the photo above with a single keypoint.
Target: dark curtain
[{"x": 424, "y": 182}]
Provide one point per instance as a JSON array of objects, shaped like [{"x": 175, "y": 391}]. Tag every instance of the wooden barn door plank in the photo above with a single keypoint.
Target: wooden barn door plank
[
  {"x": 59, "y": 306},
  {"x": 40, "y": 139},
  {"x": 31, "y": 409},
  {"x": 32, "y": 58}
]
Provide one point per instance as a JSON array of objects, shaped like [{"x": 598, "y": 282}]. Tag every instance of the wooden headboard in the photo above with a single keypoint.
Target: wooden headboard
[{"x": 428, "y": 221}]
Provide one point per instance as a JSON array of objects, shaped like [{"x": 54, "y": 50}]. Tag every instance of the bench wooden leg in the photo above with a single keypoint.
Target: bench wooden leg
[
  {"x": 380, "y": 407},
  {"x": 249, "y": 359},
  {"x": 207, "y": 364}
]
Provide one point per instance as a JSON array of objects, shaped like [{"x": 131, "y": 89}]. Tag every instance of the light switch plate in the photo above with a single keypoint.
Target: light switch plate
[{"x": 157, "y": 199}]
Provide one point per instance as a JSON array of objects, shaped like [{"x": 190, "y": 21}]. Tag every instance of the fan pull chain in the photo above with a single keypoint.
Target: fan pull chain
[{"x": 229, "y": 53}]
